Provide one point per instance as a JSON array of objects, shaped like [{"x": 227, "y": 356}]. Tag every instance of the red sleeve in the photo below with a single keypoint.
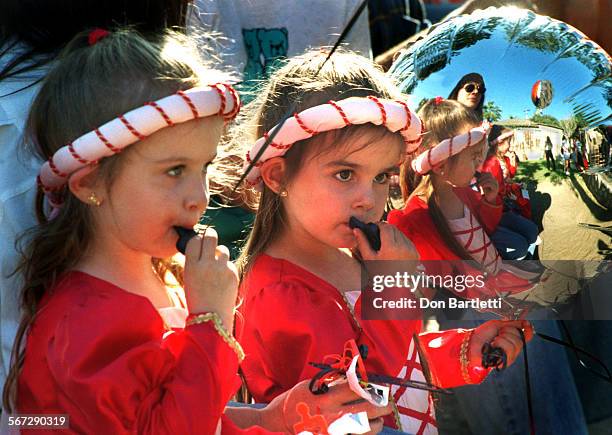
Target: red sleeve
[
  {"x": 125, "y": 378},
  {"x": 492, "y": 166},
  {"x": 417, "y": 225},
  {"x": 487, "y": 214},
  {"x": 511, "y": 168},
  {"x": 287, "y": 326},
  {"x": 442, "y": 349}
]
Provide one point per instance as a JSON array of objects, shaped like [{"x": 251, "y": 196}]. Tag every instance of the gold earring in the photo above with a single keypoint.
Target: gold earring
[
  {"x": 93, "y": 199},
  {"x": 283, "y": 193}
]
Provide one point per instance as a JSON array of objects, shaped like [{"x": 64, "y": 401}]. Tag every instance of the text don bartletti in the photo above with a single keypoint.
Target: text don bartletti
[{"x": 424, "y": 303}]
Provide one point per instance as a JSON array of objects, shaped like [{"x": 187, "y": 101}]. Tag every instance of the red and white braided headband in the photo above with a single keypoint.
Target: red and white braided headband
[
  {"x": 395, "y": 115},
  {"x": 502, "y": 137},
  {"x": 112, "y": 137},
  {"x": 435, "y": 155}
]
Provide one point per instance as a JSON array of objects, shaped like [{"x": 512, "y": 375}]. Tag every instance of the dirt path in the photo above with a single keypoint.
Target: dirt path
[
  {"x": 559, "y": 204},
  {"x": 562, "y": 238}
]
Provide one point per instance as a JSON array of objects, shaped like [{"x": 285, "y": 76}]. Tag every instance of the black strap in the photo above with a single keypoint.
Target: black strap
[
  {"x": 528, "y": 385},
  {"x": 569, "y": 344},
  {"x": 577, "y": 350}
]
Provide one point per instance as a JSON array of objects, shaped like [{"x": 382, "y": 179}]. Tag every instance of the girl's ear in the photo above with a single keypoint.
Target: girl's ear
[
  {"x": 85, "y": 184},
  {"x": 273, "y": 173},
  {"x": 440, "y": 169}
]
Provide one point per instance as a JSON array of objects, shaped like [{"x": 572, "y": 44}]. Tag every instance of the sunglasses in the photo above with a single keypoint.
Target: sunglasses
[{"x": 469, "y": 88}]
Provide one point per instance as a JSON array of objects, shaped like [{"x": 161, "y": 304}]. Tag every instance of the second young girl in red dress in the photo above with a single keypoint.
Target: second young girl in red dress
[{"x": 301, "y": 268}]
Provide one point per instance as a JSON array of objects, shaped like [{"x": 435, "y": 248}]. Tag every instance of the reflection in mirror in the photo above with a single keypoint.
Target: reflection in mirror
[
  {"x": 550, "y": 89},
  {"x": 543, "y": 78}
]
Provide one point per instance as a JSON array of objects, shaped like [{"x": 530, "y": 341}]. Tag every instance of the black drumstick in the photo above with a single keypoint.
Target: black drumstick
[{"x": 371, "y": 231}]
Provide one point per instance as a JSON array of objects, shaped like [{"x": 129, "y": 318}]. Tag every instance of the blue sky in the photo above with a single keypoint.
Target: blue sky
[{"x": 511, "y": 71}]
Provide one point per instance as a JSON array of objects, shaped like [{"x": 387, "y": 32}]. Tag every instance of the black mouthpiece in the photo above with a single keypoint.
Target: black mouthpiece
[{"x": 371, "y": 231}]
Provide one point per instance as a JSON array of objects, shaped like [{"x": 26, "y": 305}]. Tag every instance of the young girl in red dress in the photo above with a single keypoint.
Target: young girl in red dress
[
  {"x": 443, "y": 216},
  {"x": 300, "y": 270},
  {"x": 128, "y": 127},
  {"x": 516, "y": 232}
]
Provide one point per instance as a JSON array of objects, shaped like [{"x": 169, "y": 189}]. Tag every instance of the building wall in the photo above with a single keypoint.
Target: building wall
[{"x": 529, "y": 141}]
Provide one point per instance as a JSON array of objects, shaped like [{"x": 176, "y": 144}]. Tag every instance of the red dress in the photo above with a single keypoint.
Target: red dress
[
  {"x": 493, "y": 166},
  {"x": 98, "y": 353},
  {"x": 292, "y": 317},
  {"x": 416, "y": 224}
]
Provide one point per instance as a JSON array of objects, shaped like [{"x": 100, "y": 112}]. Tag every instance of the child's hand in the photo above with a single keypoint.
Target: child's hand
[
  {"x": 394, "y": 245},
  {"x": 280, "y": 415},
  {"x": 500, "y": 333},
  {"x": 211, "y": 280},
  {"x": 489, "y": 187}
]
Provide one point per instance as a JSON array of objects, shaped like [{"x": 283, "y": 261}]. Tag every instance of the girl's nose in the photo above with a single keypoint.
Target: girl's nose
[
  {"x": 365, "y": 199},
  {"x": 196, "y": 199}
]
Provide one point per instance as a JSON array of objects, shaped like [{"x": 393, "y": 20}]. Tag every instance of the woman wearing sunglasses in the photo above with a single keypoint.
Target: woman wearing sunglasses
[{"x": 470, "y": 91}]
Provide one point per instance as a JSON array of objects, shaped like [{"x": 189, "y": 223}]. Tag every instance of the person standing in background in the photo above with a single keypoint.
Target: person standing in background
[
  {"x": 258, "y": 33},
  {"x": 566, "y": 155},
  {"x": 550, "y": 158}
]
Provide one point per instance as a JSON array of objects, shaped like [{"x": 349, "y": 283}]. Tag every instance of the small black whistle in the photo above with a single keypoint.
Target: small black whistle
[
  {"x": 494, "y": 357},
  {"x": 185, "y": 235},
  {"x": 371, "y": 231}
]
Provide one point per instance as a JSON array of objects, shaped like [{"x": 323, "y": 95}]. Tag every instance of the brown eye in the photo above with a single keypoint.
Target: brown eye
[
  {"x": 344, "y": 175},
  {"x": 381, "y": 178}
]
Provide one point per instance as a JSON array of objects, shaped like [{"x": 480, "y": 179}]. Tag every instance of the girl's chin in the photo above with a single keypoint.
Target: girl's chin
[
  {"x": 165, "y": 251},
  {"x": 349, "y": 242}
]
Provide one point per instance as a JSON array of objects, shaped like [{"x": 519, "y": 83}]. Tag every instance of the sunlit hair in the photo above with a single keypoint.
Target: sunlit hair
[
  {"x": 300, "y": 83},
  {"x": 88, "y": 86}
]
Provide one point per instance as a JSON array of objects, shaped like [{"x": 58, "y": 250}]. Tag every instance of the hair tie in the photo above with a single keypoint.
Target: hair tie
[
  {"x": 438, "y": 100},
  {"x": 96, "y": 34}
]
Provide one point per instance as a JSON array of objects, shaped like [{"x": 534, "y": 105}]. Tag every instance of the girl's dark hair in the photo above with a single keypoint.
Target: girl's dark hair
[
  {"x": 441, "y": 120},
  {"x": 88, "y": 86},
  {"x": 46, "y": 26},
  {"x": 496, "y": 131},
  {"x": 470, "y": 78},
  {"x": 305, "y": 81}
]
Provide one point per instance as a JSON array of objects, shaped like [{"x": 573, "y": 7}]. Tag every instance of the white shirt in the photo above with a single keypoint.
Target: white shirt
[
  {"x": 254, "y": 32},
  {"x": 18, "y": 169}
]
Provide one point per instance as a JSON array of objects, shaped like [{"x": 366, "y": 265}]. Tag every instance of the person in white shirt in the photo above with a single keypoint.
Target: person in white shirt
[{"x": 256, "y": 34}]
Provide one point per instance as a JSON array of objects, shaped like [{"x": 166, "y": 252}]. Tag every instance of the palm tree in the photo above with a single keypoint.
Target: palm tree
[
  {"x": 568, "y": 126},
  {"x": 491, "y": 111}
]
